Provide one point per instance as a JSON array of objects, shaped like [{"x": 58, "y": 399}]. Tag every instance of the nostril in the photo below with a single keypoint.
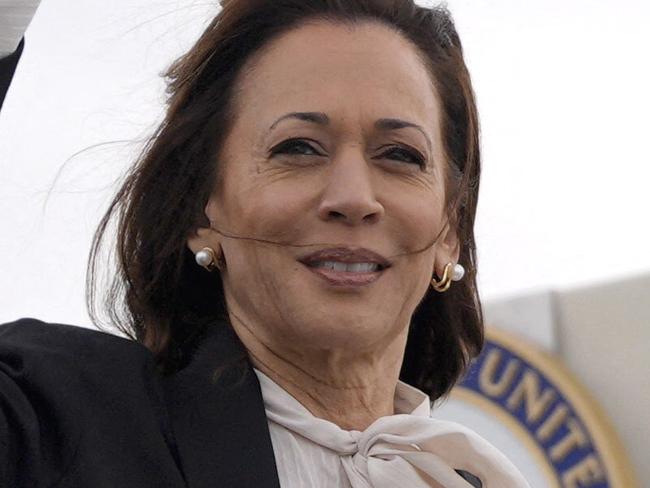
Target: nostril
[
  {"x": 335, "y": 214},
  {"x": 373, "y": 217}
]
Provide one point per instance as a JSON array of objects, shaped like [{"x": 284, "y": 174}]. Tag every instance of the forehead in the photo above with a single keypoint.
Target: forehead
[{"x": 350, "y": 72}]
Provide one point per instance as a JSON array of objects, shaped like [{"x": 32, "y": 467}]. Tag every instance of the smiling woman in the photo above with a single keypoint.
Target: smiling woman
[
  {"x": 326, "y": 187},
  {"x": 286, "y": 246}
]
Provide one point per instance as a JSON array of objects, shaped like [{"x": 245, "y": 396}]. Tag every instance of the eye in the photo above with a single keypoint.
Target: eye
[
  {"x": 294, "y": 146},
  {"x": 407, "y": 156}
]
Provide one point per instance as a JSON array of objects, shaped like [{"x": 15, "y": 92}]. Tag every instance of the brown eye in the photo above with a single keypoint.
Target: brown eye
[
  {"x": 406, "y": 156},
  {"x": 295, "y": 146}
]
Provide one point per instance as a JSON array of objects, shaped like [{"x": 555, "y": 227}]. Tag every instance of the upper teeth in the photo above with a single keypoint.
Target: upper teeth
[{"x": 353, "y": 267}]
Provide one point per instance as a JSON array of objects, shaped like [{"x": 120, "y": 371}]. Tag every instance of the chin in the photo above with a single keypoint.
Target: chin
[{"x": 356, "y": 331}]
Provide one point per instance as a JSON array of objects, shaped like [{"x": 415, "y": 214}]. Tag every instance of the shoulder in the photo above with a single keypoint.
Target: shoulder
[
  {"x": 30, "y": 337},
  {"x": 51, "y": 356},
  {"x": 67, "y": 394}
]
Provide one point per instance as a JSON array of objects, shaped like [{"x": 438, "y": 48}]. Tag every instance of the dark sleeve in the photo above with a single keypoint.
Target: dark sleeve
[
  {"x": 37, "y": 432},
  {"x": 19, "y": 446},
  {"x": 8, "y": 68},
  {"x": 78, "y": 407}
]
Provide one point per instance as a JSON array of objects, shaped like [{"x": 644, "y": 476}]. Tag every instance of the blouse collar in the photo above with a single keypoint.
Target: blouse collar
[{"x": 407, "y": 400}]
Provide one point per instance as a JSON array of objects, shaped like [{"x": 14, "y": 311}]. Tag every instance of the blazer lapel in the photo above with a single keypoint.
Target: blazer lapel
[{"x": 219, "y": 422}]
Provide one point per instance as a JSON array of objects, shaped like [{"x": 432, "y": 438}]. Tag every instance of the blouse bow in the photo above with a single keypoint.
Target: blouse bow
[{"x": 408, "y": 449}]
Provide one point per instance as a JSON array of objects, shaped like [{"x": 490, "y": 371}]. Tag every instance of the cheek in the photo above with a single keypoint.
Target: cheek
[
  {"x": 417, "y": 218},
  {"x": 267, "y": 213}
]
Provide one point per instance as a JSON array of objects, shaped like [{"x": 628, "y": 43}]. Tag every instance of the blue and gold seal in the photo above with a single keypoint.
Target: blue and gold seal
[{"x": 536, "y": 401}]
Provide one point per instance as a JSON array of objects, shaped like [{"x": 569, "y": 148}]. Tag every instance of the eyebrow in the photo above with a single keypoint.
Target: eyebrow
[
  {"x": 315, "y": 117},
  {"x": 321, "y": 118}
]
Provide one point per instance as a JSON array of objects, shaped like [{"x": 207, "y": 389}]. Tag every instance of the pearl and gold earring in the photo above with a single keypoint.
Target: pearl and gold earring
[
  {"x": 208, "y": 258},
  {"x": 456, "y": 274}
]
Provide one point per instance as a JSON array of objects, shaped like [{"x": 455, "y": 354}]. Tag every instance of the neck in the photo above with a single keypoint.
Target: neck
[{"x": 349, "y": 388}]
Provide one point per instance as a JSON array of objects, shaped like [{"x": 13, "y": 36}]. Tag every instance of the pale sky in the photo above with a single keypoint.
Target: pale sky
[{"x": 562, "y": 88}]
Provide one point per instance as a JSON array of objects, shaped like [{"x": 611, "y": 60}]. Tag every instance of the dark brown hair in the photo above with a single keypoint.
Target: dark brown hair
[{"x": 161, "y": 298}]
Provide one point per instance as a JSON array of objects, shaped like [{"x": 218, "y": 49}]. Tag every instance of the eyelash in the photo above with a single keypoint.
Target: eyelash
[{"x": 291, "y": 143}]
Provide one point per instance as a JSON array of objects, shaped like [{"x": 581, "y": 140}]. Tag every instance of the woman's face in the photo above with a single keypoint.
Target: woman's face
[{"x": 345, "y": 180}]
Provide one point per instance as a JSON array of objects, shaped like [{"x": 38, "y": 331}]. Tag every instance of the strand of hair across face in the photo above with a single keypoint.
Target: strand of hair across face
[{"x": 280, "y": 243}]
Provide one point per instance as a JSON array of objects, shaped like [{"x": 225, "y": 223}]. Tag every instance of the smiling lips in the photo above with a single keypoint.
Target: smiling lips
[{"x": 345, "y": 266}]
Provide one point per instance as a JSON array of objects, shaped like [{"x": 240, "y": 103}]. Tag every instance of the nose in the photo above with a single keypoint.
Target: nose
[{"x": 349, "y": 195}]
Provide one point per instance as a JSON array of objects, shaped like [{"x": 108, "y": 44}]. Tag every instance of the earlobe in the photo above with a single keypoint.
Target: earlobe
[
  {"x": 448, "y": 251},
  {"x": 451, "y": 244},
  {"x": 204, "y": 236},
  {"x": 198, "y": 240},
  {"x": 455, "y": 252},
  {"x": 210, "y": 210}
]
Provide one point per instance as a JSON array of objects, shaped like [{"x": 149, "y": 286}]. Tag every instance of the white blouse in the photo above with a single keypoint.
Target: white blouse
[{"x": 406, "y": 450}]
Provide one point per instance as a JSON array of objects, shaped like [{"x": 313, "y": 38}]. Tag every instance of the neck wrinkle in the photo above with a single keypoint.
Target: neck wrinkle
[{"x": 351, "y": 394}]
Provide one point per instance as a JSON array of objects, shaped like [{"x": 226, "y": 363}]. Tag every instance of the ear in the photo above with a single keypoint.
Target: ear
[
  {"x": 205, "y": 236},
  {"x": 448, "y": 249}
]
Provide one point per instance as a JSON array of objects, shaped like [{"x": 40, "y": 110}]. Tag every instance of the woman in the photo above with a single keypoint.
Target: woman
[{"x": 286, "y": 246}]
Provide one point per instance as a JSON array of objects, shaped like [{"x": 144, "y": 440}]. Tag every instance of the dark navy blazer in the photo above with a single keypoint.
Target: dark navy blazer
[{"x": 84, "y": 408}]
